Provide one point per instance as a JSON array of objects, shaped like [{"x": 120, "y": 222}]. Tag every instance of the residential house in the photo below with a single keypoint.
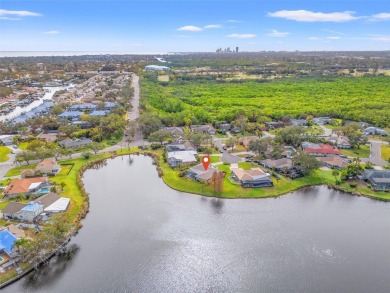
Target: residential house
[
  {"x": 225, "y": 127},
  {"x": 11, "y": 209},
  {"x": 24, "y": 186},
  {"x": 203, "y": 129},
  {"x": 7, "y": 139},
  {"x": 254, "y": 177},
  {"x": 71, "y": 115},
  {"x": 299, "y": 122},
  {"x": 7, "y": 242},
  {"x": 19, "y": 233},
  {"x": 174, "y": 130},
  {"x": 99, "y": 113},
  {"x": 320, "y": 149},
  {"x": 379, "y": 179},
  {"x": 342, "y": 142},
  {"x": 74, "y": 143},
  {"x": 322, "y": 120},
  {"x": 279, "y": 164},
  {"x": 27, "y": 173},
  {"x": 110, "y": 106},
  {"x": 48, "y": 167},
  {"x": 274, "y": 125},
  {"x": 87, "y": 107},
  {"x": 245, "y": 140},
  {"x": 199, "y": 173},
  {"x": 333, "y": 162},
  {"x": 181, "y": 157},
  {"x": 53, "y": 203},
  {"x": 177, "y": 147},
  {"x": 374, "y": 131},
  {"x": 289, "y": 151},
  {"x": 50, "y": 137}
]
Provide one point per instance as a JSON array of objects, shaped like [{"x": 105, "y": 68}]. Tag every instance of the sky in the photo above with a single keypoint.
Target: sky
[{"x": 194, "y": 26}]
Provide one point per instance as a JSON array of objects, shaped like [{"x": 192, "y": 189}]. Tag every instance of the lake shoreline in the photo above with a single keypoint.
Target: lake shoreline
[{"x": 156, "y": 160}]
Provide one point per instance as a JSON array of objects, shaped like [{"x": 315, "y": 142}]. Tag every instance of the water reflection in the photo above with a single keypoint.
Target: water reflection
[
  {"x": 50, "y": 272},
  {"x": 217, "y": 205}
]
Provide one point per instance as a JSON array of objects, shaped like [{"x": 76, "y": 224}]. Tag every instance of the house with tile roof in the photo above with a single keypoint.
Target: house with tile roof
[
  {"x": 48, "y": 166},
  {"x": 254, "y": 177},
  {"x": 320, "y": 150},
  {"x": 24, "y": 186}
]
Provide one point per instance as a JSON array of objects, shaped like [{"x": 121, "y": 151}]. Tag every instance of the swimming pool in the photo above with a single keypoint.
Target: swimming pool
[{"x": 43, "y": 190}]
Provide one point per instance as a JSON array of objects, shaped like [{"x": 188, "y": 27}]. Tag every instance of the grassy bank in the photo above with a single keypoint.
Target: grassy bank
[
  {"x": 362, "y": 152},
  {"x": 4, "y": 152},
  {"x": 385, "y": 152}
]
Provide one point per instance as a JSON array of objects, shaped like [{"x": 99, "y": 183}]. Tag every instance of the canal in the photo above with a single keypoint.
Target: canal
[{"x": 142, "y": 236}]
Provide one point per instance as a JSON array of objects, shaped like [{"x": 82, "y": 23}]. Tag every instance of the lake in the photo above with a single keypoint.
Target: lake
[{"x": 142, "y": 236}]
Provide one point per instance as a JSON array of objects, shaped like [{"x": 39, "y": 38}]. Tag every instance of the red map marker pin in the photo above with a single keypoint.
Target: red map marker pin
[{"x": 206, "y": 162}]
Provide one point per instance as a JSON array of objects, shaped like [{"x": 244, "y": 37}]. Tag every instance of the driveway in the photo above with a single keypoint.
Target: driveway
[
  {"x": 375, "y": 154},
  {"x": 327, "y": 131}
]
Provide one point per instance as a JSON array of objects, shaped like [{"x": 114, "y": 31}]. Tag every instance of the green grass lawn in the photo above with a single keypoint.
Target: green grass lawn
[
  {"x": 220, "y": 135},
  {"x": 385, "y": 152},
  {"x": 214, "y": 159},
  {"x": 247, "y": 165},
  {"x": 4, "y": 152},
  {"x": 23, "y": 145},
  {"x": 17, "y": 170},
  {"x": 314, "y": 130},
  {"x": 363, "y": 152}
]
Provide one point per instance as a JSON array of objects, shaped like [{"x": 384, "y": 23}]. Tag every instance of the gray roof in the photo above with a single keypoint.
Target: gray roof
[
  {"x": 377, "y": 176},
  {"x": 69, "y": 143},
  {"x": 13, "y": 207},
  {"x": 47, "y": 199}
]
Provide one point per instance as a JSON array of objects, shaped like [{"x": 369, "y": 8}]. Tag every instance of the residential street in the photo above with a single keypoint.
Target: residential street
[{"x": 375, "y": 154}]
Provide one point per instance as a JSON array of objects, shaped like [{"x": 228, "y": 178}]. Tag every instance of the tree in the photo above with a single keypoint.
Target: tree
[
  {"x": 352, "y": 170},
  {"x": 290, "y": 135},
  {"x": 21, "y": 242},
  {"x": 86, "y": 155},
  {"x": 216, "y": 182},
  {"x": 149, "y": 123},
  {"x": 68, "y": 130},
  {"x": 259, "y": 147},
  {"x": 277, "y": 149},
  {"x": 159, "y": 136},
  {"x": 95, "y": 147},
  {"x": 305, "y": 163},
  {"x": 335, "y": 174},
  {"x": 231, "y": 142},
  {"x": 357, "y": 138}
]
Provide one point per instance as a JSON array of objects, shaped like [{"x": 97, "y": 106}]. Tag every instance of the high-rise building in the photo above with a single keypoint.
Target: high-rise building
[{"x": 236, "y": 49}]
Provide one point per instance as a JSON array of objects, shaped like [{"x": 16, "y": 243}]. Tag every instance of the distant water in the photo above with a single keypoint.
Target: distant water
[{"x": 72, "y": 53}]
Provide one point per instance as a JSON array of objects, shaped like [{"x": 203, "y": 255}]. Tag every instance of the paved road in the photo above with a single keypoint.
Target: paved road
[
  {"x": 327, "y": 131},
  {"x": 375, "y": 154}
]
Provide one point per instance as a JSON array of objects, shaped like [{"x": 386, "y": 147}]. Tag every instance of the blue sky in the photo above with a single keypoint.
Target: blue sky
[{"x": 188, "y": 26}]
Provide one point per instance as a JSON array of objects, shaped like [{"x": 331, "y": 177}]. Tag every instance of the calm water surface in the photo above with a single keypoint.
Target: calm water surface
[{"x": 141, "y": 236}]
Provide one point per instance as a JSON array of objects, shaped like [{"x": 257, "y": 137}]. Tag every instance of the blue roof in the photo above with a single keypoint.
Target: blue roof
[
  {"x": 32, "y": 207},
  {"x": 7, "y": 240},
  {"x": 110, "y": 104},
  {"x": 71, "y": 114},
  {"x": 82, "y": 106},
  {"x": 98, "y": 113}
]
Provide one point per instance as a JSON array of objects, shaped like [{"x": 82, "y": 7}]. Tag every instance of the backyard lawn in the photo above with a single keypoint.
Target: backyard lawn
[
  {"x": 4, "y": 152},
  {"x": 385, "y": 152},
  {"x": 363, "y": 152}
]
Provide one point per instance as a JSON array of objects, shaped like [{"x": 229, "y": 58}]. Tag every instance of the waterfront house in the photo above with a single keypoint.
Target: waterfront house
[
  {"x": 7, "y": 242},
  {"x": 22, "y": 212},
  {"x": 379, "y": 179},
  {"x": 199, "y": 173},
  {"x": 181, "y": 158},
  {"x": 19, "y": 233},
  {"x": 333, "y": 162},
  {"x": 24, "y": 186},
  {"x": 283, "y": 163},
  {"x": 254, "y": 177},
  {"x": 11, "y": 209},
  {"x": 177, "y": 147},
  {"x": 53, "y": 203},
  {"x": 48, "y": 167}
]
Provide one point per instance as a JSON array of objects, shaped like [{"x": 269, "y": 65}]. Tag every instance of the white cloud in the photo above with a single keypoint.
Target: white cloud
[
  {"x": 310, "y": 16},
  {"x": 51, "y": 33},
  {"x": 241, "y": 36},
  {"x": 190, "y": 28},
  {"x": 333, "y": 38},
  {"x": 234, "y": 20},
  {"x": 9, "y": 18},
  {"x": 277, "y": 34},
  {"x": 314, "y": 38},
  {"x": 381, "y": 16},
  {"x": 19, "y": 13},
  {"x": 213, "y": 26},
  {"x": 333, "y": 32}
]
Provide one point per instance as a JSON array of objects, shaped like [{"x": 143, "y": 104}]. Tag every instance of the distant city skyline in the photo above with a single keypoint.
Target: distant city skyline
[{"x": 194, "y": 26}]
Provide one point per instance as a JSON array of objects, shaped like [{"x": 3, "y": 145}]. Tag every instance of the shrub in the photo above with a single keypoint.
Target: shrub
[{"x": 353, "y": 184}]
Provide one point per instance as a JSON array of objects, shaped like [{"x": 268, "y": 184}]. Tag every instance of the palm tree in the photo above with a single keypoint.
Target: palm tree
[
  {"x": 20, "y": 243},
  {"x": 336, "y": 173}
]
